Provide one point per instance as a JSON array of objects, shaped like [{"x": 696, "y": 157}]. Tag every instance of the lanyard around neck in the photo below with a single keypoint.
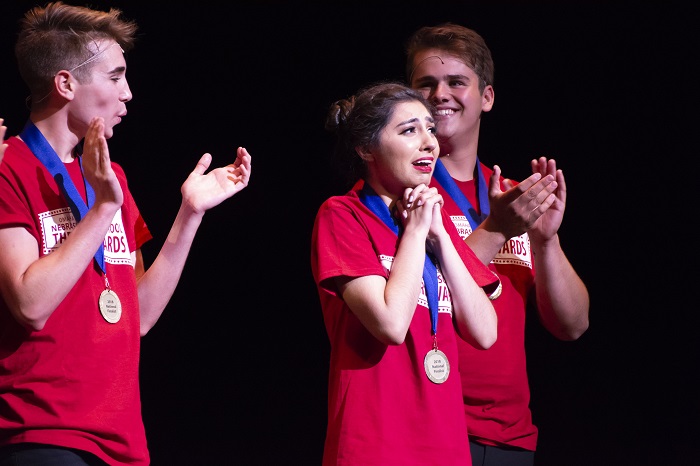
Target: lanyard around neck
[
  {"x": 43, "y": 151},
  {"x": 443, "y": 177}
]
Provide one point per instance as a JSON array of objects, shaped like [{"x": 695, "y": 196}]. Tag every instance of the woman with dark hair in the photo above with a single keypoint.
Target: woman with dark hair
[{"x": 397, "y": 287}]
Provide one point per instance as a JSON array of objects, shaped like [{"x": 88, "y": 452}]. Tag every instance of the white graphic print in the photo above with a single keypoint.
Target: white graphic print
[
  {"x": 516, "y": 251},
  {"x": 57, "y": 224},
  {"x": 444, "y": 300}
]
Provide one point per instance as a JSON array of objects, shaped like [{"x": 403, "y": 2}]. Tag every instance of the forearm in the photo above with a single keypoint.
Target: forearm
[
  {"x": 403, "y": 286},
  {"x": 158, "y": 283},
  {"x": 29, "y": 283},
  {"x": 473, "y": 312},
  {"x": 486, "y": 242},
  {"x": 562, "y": 297}
]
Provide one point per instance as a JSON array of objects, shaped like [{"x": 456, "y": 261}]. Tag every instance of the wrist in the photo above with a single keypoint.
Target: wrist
[{"x": 540, "y": 244}]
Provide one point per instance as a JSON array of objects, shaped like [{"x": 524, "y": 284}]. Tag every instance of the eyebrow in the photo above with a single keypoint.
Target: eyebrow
[
  {"x": 449, "y": 76},
  {"x": 415, "y": 120},
  {"x": 407, "y": 122}
]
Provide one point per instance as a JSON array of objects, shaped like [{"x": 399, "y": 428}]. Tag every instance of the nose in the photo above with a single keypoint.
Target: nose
[
  {"x": 125, "y": 95},
  {"x": 441, "y": 92},
  {"x": 429, "y": 142}
]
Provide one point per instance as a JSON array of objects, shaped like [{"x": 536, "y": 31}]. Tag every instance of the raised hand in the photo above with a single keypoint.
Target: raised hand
[
  {"x": 97, "y": 166},
  {"x": 202, "y": 192},
  {"x": 517, "y": 210},
  {"x": 547, "y": 224},
  {"x": 420, "y": 207}
]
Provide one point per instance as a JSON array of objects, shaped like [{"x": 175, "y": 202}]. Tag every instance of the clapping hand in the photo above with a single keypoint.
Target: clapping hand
[
  {"x": 548, "y": 223},
  {"x": 97, "y": 166},
  {"x": 202, "y": 191},
  {"x": 517, "y": 210}
]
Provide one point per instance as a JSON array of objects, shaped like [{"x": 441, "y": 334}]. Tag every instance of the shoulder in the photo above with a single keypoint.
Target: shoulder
[
  {"x": 119, "y": 170},
  {"x": 349, "y": 201}
]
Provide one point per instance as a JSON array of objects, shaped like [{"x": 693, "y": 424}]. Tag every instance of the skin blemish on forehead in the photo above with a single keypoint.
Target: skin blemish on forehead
[{"x": 423, "y": 60}]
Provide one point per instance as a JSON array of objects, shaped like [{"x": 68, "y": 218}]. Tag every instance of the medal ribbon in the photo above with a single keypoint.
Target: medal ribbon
[
  {"x": 443, "y": 177},
  {"x": 43, "y": 151},
  {"x": 374, "y": 203}
]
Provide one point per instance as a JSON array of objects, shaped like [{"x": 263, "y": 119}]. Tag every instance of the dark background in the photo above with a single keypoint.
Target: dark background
[{"x": 235, "y": 371}]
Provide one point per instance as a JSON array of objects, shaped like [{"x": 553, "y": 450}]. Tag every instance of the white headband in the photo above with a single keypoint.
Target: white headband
[{"x": 95, "y": 56}]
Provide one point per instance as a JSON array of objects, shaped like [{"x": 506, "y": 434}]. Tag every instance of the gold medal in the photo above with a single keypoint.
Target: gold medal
[
  {"x": 497, "y": 292},
  {"x": 437, "y": 367},
  {"x": 110, "y": 306}
]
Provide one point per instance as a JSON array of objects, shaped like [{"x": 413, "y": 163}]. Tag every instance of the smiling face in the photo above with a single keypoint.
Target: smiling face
[
  {"x": 406, "y": 153},
  {"x": 106, "y": 93},
  {"x": 453, "y": 87}
]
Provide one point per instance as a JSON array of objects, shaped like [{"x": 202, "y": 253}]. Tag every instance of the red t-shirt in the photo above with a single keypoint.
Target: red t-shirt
[
  {"x": 382, "y": 408},
  {"x": 75, "y": 383},
  {"x": 494, "y": 382}
]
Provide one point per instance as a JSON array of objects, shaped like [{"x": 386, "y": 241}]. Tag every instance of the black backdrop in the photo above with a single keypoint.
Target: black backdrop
[{"x": 235, "y": 371}]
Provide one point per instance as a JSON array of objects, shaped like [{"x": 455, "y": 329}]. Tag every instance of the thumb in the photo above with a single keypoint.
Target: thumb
[
  {"x": 203, "y": 164},
  {"x": 494, "y": 183}
]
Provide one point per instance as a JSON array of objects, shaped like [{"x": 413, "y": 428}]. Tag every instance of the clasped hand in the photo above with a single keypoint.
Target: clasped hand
[{"x": 420, "y": 207}]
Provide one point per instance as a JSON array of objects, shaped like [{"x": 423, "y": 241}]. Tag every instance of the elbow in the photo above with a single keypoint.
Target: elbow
[
  {"x": 482, "y": 340},
  {"x": 29, "y": 312},
  {"x": 393, "y": 335},
  {"x": 574, "y": 332},
  {"x": 392, "y": 341},
  {"x": 30, "y": 319},
  {"x": 145, "y": 327},
  {"x": 36, "y": 325},
  {"x": 486, "y": 341},
  {"x": 392, "y": 338},
  {"x": 490, "y": 341}
]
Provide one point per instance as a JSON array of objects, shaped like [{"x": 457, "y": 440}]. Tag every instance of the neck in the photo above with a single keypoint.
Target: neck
[
  {"x": 462, "y": 150},
  {"x": 460, "y": 166},
  {"x": 58, "y": 135},
  {"x": 387, "y": 197}
]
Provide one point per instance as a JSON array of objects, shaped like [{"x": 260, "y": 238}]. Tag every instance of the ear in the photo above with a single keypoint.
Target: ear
[
  {"x": 364, "y": 153},
  {"x": 487, "y": 98},
  {"x": 64, "y": 83}
]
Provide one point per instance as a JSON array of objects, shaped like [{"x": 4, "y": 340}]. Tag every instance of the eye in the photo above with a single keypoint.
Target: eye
[
  {"x": 432, "y": 129},
  {"x": 116, "y": 77},
  {"x": 409, "y": 130},
  {"x": 425, "y": 86},
  {"x": 457, "y": 83}
]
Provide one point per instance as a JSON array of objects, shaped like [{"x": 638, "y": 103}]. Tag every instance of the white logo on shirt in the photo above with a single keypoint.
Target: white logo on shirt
[
  {"x": 57, "y": 224},
  {"x": 516, "y": 251},
  {"x": 444, "y": 300}
]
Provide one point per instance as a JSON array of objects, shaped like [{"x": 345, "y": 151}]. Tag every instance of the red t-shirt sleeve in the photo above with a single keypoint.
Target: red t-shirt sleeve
[{"x": 342, "y": 246}]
